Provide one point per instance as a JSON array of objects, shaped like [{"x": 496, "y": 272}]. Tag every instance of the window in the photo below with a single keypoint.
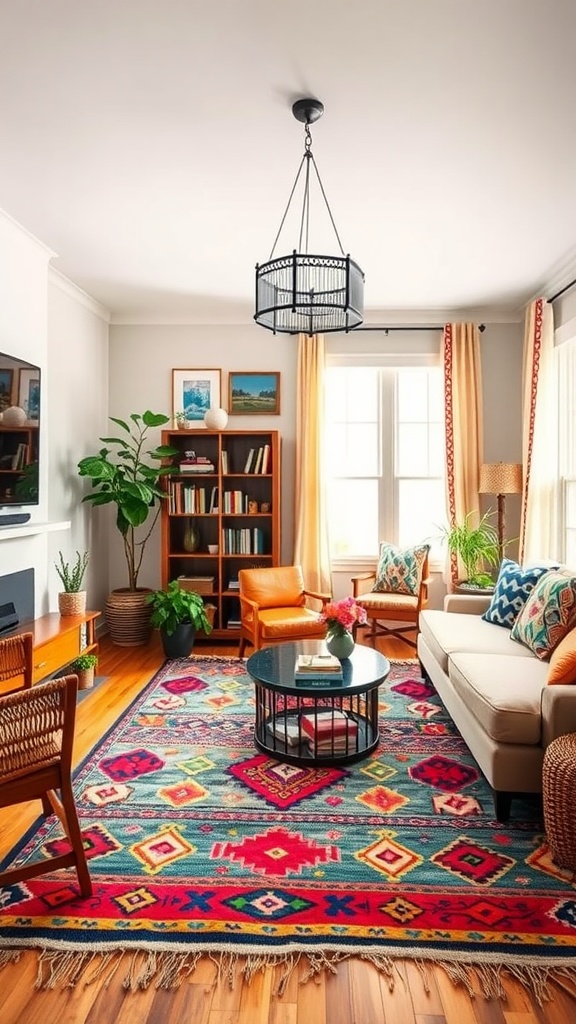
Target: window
[
  {"x": 385, "y": 458},
  {"x": 566, "y": 366}
]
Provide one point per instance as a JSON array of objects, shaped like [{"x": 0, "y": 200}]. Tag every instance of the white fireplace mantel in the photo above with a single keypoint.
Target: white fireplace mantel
[{"x": 29, "y": 529}]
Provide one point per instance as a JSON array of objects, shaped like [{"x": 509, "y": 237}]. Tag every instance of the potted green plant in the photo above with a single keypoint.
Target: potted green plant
[
  {"x": 476, "y": 544},
  {"x": 72, "y": 598},
  {"x": 128, "y": 475},
  {"x": 178, "y": 613},
  {"x": 83, "y": 666}
]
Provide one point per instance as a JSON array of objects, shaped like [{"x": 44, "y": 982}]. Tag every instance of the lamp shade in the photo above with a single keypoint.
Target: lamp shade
[{"x": 500, "y": 478}]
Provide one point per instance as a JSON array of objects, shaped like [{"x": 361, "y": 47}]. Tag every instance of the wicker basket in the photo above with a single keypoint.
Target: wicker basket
[
  {"x": 72, "y": 603},
  {"x": 558, "y": 786}
]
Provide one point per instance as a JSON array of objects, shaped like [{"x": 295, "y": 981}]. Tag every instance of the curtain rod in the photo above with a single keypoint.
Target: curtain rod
[
  {"x": 562, "y": 290},
  {"x": 386, "y": 330}
]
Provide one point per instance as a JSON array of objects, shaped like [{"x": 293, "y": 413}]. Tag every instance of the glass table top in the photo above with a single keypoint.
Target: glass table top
[{"x": 274, "y": 667}]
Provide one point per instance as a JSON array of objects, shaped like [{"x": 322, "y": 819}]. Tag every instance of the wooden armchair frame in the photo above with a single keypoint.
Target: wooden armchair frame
[{"x": 401, "y": 610}]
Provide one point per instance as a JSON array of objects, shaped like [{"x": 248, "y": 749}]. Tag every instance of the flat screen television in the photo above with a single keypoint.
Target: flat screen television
[{"x": 19, "y": 431}]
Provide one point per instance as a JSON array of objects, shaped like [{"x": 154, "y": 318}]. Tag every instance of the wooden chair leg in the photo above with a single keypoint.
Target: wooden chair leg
[
  {"x": 242, "y": 646},
  {"x": 75, "y": 837}
]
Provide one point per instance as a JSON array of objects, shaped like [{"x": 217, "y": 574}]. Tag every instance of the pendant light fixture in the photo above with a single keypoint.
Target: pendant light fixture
[{"x": 305, "y": 292}]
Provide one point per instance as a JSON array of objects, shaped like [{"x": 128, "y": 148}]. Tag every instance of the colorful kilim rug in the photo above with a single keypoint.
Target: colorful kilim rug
[{"x": 199, "y": 844}]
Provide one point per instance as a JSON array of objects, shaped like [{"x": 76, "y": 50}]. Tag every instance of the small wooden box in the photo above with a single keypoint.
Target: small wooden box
[{"x": 201, "y": 584}]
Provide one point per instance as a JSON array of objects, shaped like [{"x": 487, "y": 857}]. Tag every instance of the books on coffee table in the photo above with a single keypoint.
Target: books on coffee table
[
  {"x": 325, "y": 727},
  {"x": 318, "y": 668}
]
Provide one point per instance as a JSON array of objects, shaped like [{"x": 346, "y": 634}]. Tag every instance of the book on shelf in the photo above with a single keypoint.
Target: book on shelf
[
  {"x": 326, "y": 725},
  {"x": 224, "y": 460},
  {"x": 287, "y": 730},
  {"x": 197, "y": 467},
  {"x": 336, "y": 745},
  {"x": 249, "y": 460}
]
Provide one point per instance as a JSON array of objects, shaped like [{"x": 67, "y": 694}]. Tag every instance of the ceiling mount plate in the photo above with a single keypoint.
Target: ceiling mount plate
[{"x": 307, "y": 110}]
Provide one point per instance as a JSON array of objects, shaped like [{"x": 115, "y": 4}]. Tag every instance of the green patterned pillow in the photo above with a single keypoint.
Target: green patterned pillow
[
  {"x": 549, "y": 613},
  {"x": 400, "y": 571}
]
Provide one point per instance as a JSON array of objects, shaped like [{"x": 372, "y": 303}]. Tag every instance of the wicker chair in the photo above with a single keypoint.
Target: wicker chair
[
  {"x": 16, "y": 658},
  {"x": 36, "y": 737},
  {"x": 389, "y": 613}
]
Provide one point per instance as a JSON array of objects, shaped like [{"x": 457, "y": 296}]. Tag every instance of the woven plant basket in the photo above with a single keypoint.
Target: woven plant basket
[
  {"x": 558, "y": 786},
  {"x": 127, "y": 615},
  {"x": 72, "y": 603}
]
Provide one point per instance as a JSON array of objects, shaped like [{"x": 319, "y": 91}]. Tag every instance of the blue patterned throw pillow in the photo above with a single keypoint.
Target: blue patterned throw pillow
[
  {"x": 400, "y": 571},
  {"x": 513, "y": 588}
]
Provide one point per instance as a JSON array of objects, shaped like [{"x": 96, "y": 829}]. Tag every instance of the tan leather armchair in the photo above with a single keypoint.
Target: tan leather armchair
[
  {"x": 390, "y": 613},
  {"x": 273, "y": 607}
]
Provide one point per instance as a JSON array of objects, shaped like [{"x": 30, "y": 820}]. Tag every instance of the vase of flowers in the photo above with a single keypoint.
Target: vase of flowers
[{"x": 341, "y": 617}]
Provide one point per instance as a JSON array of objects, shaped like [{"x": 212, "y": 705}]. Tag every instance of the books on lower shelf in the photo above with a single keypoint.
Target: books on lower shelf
[
  {"x": 324, "y": 727},
  {"x": 287, "y": 730}
]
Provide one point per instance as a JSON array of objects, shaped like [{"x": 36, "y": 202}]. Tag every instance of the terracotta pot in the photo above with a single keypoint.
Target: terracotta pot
[{"x": 127, "y": 615}]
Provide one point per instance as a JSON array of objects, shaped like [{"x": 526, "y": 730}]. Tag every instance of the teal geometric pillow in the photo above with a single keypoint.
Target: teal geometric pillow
[
  {"x": 549, "y": 613},
  {"x": 400, "y": 571},
  {"x": 513, "y": 588}
]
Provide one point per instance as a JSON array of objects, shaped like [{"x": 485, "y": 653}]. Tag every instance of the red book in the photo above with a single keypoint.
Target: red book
[{"x": 328, "y": 723}]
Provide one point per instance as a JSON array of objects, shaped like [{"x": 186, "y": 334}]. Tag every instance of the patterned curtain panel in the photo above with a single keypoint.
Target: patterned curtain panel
[
  {"x": 538, "y": 525},
  {"x": 311, "y": 549},
  {"x": 464, "y": 425}
]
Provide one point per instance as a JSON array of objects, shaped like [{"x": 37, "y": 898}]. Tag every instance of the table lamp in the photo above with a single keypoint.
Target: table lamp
[{"x": 501, "y": 478}]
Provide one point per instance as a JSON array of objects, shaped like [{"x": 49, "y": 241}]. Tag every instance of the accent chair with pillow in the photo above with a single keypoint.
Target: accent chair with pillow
[
  {"x": 395, "y": 593},
  {"x": 504, "y": 667}
]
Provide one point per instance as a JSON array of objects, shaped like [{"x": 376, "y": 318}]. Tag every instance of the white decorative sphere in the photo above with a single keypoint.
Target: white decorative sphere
[
  {"x": 216, "y": 419},
  {"x": 14, "y": 416}
]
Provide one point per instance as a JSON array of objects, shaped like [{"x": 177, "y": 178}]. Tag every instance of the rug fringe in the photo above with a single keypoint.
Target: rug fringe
[{"x": 168, "y": 969}]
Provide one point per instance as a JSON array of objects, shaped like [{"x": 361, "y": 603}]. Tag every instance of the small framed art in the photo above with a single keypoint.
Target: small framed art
[
  {"x": 253, "y": 394},
  {"x": 6, "y": 376},
  {"x": 194, "y": 392},
  {"x": 29, "y": 392}
]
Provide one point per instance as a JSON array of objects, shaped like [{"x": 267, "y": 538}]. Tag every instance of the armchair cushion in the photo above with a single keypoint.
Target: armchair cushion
[
  {"x": 400, "y": 571},
  {"x": 280, "y": 586},
  {"x": 549, "y": 613}
]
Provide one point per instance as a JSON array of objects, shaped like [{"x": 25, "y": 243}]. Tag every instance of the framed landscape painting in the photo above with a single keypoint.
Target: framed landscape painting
[
  {"x": 253, "y": 394},
  {"x": 194, "y": 392},
  {"x": 29, "y": 393}
]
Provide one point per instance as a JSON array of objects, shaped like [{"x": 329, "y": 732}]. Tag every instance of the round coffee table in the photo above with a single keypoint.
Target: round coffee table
[{"x": 316, "y": 722}]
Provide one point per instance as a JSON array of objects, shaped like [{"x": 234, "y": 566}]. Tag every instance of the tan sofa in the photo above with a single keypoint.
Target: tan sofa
[{"x": 495, "y": 691}]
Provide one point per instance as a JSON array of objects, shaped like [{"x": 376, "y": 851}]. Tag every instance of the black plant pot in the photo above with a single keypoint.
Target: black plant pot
[{"x": 180, "y": 643}]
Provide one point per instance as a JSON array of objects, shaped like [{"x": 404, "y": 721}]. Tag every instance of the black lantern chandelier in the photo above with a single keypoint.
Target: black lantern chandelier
[{"x": 305, "y": 293}]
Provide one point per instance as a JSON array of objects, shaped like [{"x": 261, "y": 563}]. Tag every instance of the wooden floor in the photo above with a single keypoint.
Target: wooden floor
[{"x": 356, "y": 994}]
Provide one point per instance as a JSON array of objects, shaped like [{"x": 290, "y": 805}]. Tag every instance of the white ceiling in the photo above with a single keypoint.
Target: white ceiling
[{"x": 151, "y": 145}]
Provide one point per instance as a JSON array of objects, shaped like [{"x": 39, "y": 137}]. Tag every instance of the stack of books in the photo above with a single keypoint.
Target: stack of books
[
  {"x": 320, "y": 668},
  {"x": 200, "y": 464},
  {"x": 330, "y": 732}
]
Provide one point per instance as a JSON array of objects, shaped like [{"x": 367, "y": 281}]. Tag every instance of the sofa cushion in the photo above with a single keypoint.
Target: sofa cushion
[
  {"x": 513, "y": 588},
  {"x": 446, "y": 632},
  {"x": 503, "y": 693},
  {"x": 549, "y": 613},
  {"x": 562, "y": 668},
  {"x": 400, "y": 571}
]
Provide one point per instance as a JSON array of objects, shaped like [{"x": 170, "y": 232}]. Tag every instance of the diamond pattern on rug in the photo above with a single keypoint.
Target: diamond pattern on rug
[
  {"x": 183, "y": 793},
  {"x": 185, "y": 684},
  {"x": 283, "y": 785},
  {"x": 196, "y": 765},
  {"x": 443, "y": 773},
  {"x": 107, "y": 793},
  {"x": 169, "y": 703},
  {"x": 163, "y": 848},
  {"x": 472, "y": 862},
  {"x": 97, "y": 840},
  {"x": 389, "y": 857},
  {"x": 541, "y": 859},
  {"x": 456, "y": 803},
  {"x": 135, "y": 900},
  {"x": 11, "y": 895},
  {"x": 378, "y": 770},
  {"x": 131, "y": 764},
  {"x": 381, "y": 799},
  {"x": 268, "y": 904},
  {"x": 565, "y": 913},
  {"x": 417, "y": 689},
  {"x": 277, "y": 851},
  {"x": 424, "y": 708},
  {"x": 401, "y": 909}
]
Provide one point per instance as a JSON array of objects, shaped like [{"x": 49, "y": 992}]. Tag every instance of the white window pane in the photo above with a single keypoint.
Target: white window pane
[
  {"x": 362, "y": 450},
  {"x": 336, "y": 444},
  {"x": 437, "y": 450},
  {"x": 436, "y": 396},
  {"x": 412, "y": 450},
  {"x": 353, "y": 510},
  {"x": 421, "y": 514},
  {"x": 412, "y": 395}
]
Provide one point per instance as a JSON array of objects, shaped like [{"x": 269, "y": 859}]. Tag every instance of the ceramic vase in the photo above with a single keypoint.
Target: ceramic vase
[
  {"x": 216, "y": 419},
  {"x": 340, "y": 645},
  {"x": 191, "y": 538}
]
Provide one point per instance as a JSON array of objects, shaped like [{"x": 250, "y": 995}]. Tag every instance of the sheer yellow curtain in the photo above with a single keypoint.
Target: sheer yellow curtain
[
  {"x": 311, "y": 549},
  {"x": 463, "y": 417},
  {"x": 538, "y": 536}
]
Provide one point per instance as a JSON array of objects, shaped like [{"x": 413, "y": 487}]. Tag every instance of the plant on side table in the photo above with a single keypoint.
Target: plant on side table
[
  {"x": 72, "y": 599},
  {"x": 477, "y": 547},
  {"x": 128, "y": 475},
  {"x": 178, "y": 614},
  {"x": 83, "y": 666}
]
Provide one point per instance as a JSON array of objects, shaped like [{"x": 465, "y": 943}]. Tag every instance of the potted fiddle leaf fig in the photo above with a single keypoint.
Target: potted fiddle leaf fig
[
  {"x": 128, "y": 474},
  {"x": 178, "y": 614}
]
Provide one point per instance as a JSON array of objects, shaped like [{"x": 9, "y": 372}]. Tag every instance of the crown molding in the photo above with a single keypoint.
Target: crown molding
[
  {"x": 45, "y": 249},
  {"x": 557, "y": 277},
  {"x": 57, "y": 278}
]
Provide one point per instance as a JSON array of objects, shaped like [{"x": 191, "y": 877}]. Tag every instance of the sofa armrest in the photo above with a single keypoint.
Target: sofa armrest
[
  {"x": 467, "y": 604},
  {"x": 558, "y": 711}
]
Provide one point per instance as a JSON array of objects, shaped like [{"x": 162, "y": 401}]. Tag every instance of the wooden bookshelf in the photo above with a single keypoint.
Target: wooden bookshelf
[{"x": 232, "y": 504}]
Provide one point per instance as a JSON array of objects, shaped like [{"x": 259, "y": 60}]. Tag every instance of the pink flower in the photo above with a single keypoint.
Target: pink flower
[{"x": 341, "y": 616}]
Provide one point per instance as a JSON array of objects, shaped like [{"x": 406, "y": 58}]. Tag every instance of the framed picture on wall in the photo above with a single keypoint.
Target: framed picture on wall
[
  {"x": 194, "y": 392},
  {"x": 29, "y": 393},
  {"x": 6, "y": 376},
  {"x": 253, "y": 394}
]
